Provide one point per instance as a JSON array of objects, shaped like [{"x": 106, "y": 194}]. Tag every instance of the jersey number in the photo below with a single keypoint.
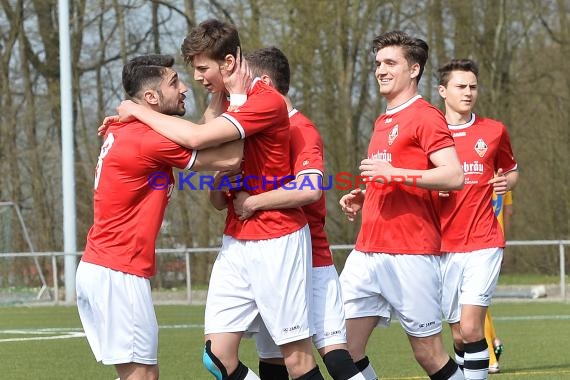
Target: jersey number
[{"x": 104, "y": 150}]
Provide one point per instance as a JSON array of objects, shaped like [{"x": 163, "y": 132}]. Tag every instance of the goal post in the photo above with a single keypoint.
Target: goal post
[{"x": 7, "y": 232}]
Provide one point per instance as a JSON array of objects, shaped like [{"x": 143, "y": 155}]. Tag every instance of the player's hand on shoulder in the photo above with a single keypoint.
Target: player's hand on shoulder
[
  {"x": 126, "y": 111},
  {"x": 107, "y": 121}
]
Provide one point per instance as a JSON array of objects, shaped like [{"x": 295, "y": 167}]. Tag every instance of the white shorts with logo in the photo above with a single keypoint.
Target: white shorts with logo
[
  {"x": 469, "y": 278},
  {"x": 270, "y": 278},
  {"x": 374, "y": 284},
  {"x": 117, "y": 315},
  {"x": 328, "y": 315}
]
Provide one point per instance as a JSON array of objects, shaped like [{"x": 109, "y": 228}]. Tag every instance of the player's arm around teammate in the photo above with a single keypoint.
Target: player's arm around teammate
[
  {"x": 113, "y": 277},
  {"x": 306, "y": 191},
  {"x": 232, "y": 76},
  {"x": 212, "y": 48}
]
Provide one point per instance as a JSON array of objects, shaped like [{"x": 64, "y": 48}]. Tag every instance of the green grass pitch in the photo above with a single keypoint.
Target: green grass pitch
[{"x": 46, "y": 343}]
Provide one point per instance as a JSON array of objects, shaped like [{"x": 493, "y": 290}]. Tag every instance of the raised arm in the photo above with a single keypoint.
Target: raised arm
[
  {"x": 191, "y": 135},
  {"x": 183, "y": 132}
]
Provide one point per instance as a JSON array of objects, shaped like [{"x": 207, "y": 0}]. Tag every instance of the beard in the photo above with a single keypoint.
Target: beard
[
  {"x": 174, "y": 111},
  {"x": 172, "y": 107}
]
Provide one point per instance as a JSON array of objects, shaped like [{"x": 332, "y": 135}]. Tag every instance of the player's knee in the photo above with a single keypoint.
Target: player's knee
[{"x": 212, "y": 363}]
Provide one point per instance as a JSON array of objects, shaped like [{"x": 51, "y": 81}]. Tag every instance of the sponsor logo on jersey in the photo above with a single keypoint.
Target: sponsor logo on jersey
[
  {"x": 459, "y": 134},
  {"x": 388, "y": 120},
  {"x": 472, "y": 171},
  {"x": 384, "y": 156},
  {"x": 481, "y": 147},
  {"x": 474, "y": 167},
  {"x": 393, "y": 135}
]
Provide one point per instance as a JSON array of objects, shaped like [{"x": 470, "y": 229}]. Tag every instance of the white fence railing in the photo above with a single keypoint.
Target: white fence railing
[{"x": 191, "y": 251}]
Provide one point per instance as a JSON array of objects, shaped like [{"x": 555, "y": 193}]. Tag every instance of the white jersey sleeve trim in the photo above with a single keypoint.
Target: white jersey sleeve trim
[
  {"x": 309, "y": 171},
  {"x": 192, "y": 160},
  {"x": 236, "y": 123}
]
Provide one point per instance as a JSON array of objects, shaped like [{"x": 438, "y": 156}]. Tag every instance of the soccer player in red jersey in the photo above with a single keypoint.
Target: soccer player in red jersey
[
  {"x": 133, "y": 182},
  {"x": 472, "y": 240},
  {"x": 307, "y": 163},
  {"x": 269, "y": 249},
  {"x": 395, "y": 264}
]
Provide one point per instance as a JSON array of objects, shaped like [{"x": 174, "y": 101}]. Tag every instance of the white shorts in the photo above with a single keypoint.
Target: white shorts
[
  {"x": 328, "y": 315},
  {"x": 117, "y": 315},
  {"x": 469, "y": 278},
  {"x": 374, "y": 284},
  {"x": 270, "y": 278}
]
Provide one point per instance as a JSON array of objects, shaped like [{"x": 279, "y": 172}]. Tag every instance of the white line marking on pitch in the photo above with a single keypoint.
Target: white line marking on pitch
[
  {"x": 67, "y": 333},
  {"x": 533, "y": 318},
  {"x": 71, "y": 332}
]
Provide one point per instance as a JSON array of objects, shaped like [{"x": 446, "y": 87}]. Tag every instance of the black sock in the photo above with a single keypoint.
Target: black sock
[
  {"x": 240, "y": 373},
  {"x": 340, "y": 365},
  {"x": 446, "y": 371},
  {"x": 270, "y": 371},
  {"x": 313, "y": 374},
  {"x": 362, "y": 363}
]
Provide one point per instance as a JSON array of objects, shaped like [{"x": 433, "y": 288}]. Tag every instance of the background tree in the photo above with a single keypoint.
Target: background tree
[{"x": 522, "y": 49}]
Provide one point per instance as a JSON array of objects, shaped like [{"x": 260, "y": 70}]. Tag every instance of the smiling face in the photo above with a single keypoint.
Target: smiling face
[
  {"x": 460, "y": 94},
  {"x": 395, "y": 76},
  {"x": 171, "y": 94},
  {"x": 207, "y": 72}
]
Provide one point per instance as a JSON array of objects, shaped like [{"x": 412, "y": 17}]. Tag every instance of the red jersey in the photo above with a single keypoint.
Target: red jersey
[
  {"x": 264, "y": 124},
  {"x": 133, "y": 182},
  {"x": 307, "y": 158},
  {"x": 402, "y": 219},
  {"x": 468, "y": 222}
]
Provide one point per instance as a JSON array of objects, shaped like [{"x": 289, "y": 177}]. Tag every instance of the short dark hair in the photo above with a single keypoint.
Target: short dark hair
[
  {"x": 456, "y": 65},
  {"x": 415, "y": 49},
  {"x": 271, "y": 61},
  {"x": 145, "y": 72},
  {"x": 214, "y": 38}
]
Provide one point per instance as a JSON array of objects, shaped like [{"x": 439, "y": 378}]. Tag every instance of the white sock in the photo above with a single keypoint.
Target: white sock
[
  {"x": 358, "y": 376},
  {"x": 369, "y": 373},
  {"x": 251, "y": 375},
  {"x": 476, "y": 360},
  {"x": 458, "y": 375}
]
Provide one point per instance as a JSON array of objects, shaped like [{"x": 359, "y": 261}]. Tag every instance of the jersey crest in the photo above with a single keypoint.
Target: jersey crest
[
  {"x": 481, "y": 147},
  {"x": 393, "y": 135}
]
